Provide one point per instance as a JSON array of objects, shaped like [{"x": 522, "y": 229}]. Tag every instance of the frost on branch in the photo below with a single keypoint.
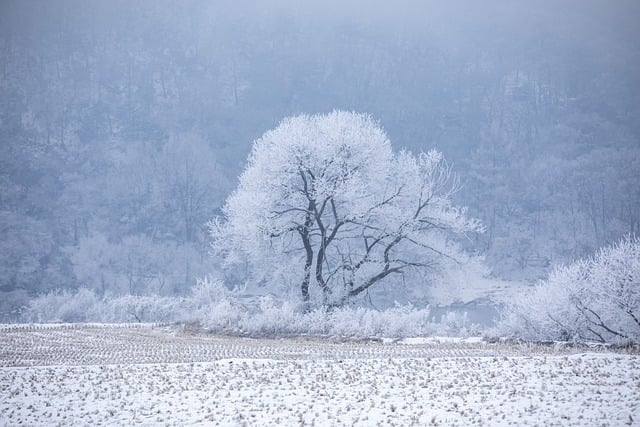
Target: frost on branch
[{"x": 325, "y": 210}]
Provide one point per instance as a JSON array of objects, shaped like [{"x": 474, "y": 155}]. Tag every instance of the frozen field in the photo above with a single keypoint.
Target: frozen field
[{"x": 121, "y": 375}]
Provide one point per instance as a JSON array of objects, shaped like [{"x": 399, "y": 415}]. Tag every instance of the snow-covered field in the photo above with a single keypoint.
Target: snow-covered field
[{"x": 122, "y": 375}]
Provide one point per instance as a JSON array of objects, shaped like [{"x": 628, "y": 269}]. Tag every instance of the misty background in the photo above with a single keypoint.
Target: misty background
[{"x": 125, "y": 124}]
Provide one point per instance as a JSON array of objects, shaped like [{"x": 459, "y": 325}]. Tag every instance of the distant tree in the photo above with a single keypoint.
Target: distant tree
[
  {"x": 192, "y": 185},
  {"x": 326, "y": 207},
  {"x": 148, "y": 232}
]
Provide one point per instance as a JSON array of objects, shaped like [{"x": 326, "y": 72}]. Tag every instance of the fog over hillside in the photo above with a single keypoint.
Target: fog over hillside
[{"x": 124, "y": 125}]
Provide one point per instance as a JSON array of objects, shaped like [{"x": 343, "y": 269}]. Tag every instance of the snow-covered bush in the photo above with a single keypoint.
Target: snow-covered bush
[
  {"x": 84, "y": 305},
  {"x": 214, "y": 306},
  {"x": 597, "y": 299},
  {"x": 136, "y": 308},
  {"x": 399, "y": 321},
  {"x": 219, "y": 310},
  {"x": 66, "y": 305},
  {"x": 272, "y": 318},
  {"x": 455, "y": 323}
]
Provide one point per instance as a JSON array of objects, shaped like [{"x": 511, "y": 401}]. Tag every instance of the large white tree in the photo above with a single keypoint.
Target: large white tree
[{"x": 327, "y": 210}]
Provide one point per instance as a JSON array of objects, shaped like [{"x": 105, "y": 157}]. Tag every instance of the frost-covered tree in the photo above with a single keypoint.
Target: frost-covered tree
[
  {"x": 327, "y": 210},
  {"x": 597, "y": 298}
]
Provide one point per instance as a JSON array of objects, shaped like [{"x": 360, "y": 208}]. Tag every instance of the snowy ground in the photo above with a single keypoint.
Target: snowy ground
[{"x": 122, "y": 375}]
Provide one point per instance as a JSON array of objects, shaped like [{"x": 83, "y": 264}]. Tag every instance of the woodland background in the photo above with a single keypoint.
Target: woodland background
[{"x": 124, "y": 125}]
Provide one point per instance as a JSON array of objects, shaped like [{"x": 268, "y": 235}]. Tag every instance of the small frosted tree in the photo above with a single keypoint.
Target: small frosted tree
[
  {"x": 594, "y": 299},
  {"x": 326, "y": 209}
]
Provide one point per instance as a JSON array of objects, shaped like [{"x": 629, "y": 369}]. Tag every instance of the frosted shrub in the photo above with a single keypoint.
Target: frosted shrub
[
  {"x": 547, "y": 312},
  {"x": 135, "y": 308},
  {"x": 353, "y": 322},
  {"x": 223, "y": 316},
  {"x": 215, "y": 307},
  {"x": 219, "y": 310},
  {"x": 399, "y": 321},
  {"x": 208, "y": 291},
  {"x": 273, "y": 318},
  {"x": 270, "y": 317},
  {"x": 85, "y": 306},
  {"x": 455, "y": 324},
  {"x": 63, "y": 306},
  {"x": 314, "y": 322},
  {"x": 614, "y": 292},
  {"x": 597, "y": 299}
]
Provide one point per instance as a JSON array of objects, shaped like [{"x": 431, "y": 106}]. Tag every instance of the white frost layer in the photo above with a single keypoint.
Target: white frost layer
[{"x": 581, "y": 389}]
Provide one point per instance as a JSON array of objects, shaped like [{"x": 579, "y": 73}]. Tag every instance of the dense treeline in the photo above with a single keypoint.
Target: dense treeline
[{"x": 123, "y": 125}]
